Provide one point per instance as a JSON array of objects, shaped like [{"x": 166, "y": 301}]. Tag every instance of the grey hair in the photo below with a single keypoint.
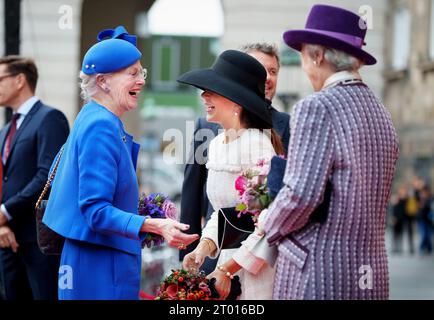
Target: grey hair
[
  {"x": 88, "y": 86},
  {"x": 340, "y": 61},
  {"x": 267, "y": 48}
]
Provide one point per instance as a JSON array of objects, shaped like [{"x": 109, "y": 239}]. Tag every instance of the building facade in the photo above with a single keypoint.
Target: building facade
[
  {"x": 266, "y": 21},
  {"x": 409, "y": 84},
  {"x": 57, "y": 34}
]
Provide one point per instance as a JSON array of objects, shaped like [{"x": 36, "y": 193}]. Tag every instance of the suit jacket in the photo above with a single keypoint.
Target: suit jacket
[
  {"x": 95, "y": 195},
  {"x": 33, "y": 148},
  {"x": 194, "y": 201},
  {"x": 344, "y": 135}
]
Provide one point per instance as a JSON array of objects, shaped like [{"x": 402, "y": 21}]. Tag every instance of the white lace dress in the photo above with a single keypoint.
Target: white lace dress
[{"x": 225, "y": 163}]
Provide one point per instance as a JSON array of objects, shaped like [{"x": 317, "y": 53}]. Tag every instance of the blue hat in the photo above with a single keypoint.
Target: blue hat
[{"x": 115, "y": 50}]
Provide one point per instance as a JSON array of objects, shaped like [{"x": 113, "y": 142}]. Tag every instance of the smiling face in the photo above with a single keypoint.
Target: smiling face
[
  {"x": 271, "y": 65},
  {"x": 124, "y": 86},
  {"x": 220, "y": 110}
]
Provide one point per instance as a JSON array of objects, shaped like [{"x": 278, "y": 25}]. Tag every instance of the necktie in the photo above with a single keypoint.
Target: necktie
[{"x": 10, "y": 136}]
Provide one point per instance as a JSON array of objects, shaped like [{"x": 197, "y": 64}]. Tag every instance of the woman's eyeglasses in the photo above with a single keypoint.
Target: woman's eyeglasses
[{"x": 141, "y": 74}]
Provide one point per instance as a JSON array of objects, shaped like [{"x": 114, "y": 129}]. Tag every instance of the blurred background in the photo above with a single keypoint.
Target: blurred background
[{"x": 179, "y": 35}]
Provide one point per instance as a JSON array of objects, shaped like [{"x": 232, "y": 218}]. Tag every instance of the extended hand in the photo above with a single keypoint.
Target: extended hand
[
  {"x": 194, "y": 260},
  {"x": 171, "y": 230},
  {"x": 7, "y": 239},
  {"x": 260, "y": 224},
  {"x": 223, "y": 283}
]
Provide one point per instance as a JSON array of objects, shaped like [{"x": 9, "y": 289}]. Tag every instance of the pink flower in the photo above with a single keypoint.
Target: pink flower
[
  {"x": 170, "y": 209},
  {"x": 240, "y": 184},
  {"x": 261, "y": 162}
]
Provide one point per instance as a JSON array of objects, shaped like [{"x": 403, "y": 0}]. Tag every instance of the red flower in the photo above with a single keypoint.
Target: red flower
[
  {"x": 172, "y": 291},
  {"x": 180, "y": 279},
  {"x": 145, "y": 296},
  {"x": 191, "y": 296}
]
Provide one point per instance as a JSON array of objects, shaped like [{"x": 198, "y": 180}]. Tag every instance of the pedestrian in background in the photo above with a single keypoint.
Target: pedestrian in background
[{"x": 29, "y": 143}]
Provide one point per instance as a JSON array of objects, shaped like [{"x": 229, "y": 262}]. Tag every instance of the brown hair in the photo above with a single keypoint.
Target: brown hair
[
  {"x": 252, "y": 121},
  {"x": 266, "y": 48},
  {"x": 26, "y": 66}
]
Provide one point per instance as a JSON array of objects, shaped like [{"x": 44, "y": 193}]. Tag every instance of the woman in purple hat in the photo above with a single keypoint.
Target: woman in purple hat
[{"x": 341, "y": 136}]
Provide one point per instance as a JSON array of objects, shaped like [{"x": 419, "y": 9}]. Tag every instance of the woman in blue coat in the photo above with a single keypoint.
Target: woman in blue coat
[{"x": 94, "y": 197}]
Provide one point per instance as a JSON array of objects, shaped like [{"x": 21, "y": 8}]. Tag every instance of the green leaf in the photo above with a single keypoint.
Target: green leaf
[
  {"x": 264, "y": 200},
  {"x": 241, "y": 207}
]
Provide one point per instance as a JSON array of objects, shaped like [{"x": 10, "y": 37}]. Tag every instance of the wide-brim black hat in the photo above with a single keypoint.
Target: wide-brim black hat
[{"x": 238, "y": 77}]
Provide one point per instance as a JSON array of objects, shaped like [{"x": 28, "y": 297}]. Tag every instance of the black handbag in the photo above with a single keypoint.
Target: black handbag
[
  {"x": 49, "y": 241},
  {"x": 232, "y": 230}
]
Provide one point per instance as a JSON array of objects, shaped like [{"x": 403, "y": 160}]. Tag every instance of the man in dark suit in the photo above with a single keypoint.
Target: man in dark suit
[
  {"x": 195, "y": 206},
  {"x": 28, "y": 145}
]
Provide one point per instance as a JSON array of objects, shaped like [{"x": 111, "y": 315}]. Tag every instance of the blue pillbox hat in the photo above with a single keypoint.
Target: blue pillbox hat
[{"x": 115, "y": 50}]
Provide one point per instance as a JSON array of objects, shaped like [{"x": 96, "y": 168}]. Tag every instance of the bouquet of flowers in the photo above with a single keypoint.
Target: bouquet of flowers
[
  {"x": 156, "y": 205},
  {"x": 189, "y": 285},
  {"x": 184, "y": 285},
  {"x": 252, "y": 188}
]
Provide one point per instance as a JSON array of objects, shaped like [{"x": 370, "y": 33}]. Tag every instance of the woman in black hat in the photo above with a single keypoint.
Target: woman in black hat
[{"x": 234, "y": 97}]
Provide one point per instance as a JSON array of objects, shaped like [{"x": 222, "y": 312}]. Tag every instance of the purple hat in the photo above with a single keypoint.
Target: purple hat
[{"x": 335, "y": 28}]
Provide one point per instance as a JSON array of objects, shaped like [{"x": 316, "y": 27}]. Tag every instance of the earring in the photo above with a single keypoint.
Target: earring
[
  {"x": 236, "y": 113},
  {"x": 314, "y": 62}
]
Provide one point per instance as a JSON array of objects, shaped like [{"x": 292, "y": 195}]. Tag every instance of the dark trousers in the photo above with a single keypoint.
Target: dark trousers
[
  {"x": 425, "y": 228},
  {"x": 28, "y": 274}
]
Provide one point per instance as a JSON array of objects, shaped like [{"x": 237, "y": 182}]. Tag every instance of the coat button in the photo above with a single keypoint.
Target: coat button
[{"x": 5, "y": 178}]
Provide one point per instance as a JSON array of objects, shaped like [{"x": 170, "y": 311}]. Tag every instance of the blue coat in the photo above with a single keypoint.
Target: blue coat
[{"x": 94, "y": 196}]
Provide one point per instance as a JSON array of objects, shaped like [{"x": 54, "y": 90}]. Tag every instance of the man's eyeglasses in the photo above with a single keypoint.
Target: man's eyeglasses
[{"x": 6, "y": 76}]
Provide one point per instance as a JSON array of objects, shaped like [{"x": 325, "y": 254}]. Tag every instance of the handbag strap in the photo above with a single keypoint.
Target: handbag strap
[
  {"x": 227, "y": 220},
  {"x": 220, "y": 245},
  {"x": 50, "y": 179}
]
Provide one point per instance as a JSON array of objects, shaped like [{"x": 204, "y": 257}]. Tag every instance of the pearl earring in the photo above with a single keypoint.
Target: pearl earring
[
  {"x": 314, "y": 62},
  {"x": 236, "y": 113}
]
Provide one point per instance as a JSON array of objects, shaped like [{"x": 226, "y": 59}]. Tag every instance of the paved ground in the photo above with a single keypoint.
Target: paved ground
[{"x": 411, "y": 276}]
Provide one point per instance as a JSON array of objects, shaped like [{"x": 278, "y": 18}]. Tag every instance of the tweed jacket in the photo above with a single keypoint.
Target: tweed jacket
[{"x": 341, "y": 136}]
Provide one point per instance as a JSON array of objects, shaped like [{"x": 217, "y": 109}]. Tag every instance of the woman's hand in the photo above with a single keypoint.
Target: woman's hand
[
  {"x": 171, "y": 230},
  {"x": 194, "y": 260},
  {"x": 222, "y": 284},
  {"x": 260, "y": 224}
]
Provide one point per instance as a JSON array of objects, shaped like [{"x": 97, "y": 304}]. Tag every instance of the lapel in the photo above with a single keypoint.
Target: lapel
[
  {"x": 23, "y": 126},
  {"x": 3, "y": 136},
  {"x": 278, "y": 124}
]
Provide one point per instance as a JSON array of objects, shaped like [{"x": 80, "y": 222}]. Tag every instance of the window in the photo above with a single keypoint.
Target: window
[
  {"x": 165, "y": 63},
  {"x": 401, "y": 39}
]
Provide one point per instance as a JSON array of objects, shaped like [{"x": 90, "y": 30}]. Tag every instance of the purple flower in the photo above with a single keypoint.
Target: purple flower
[{"x": 155, "y": 205}]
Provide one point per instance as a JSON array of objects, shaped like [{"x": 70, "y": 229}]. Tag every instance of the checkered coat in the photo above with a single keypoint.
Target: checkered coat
[{"x": 342, "y": 135}]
